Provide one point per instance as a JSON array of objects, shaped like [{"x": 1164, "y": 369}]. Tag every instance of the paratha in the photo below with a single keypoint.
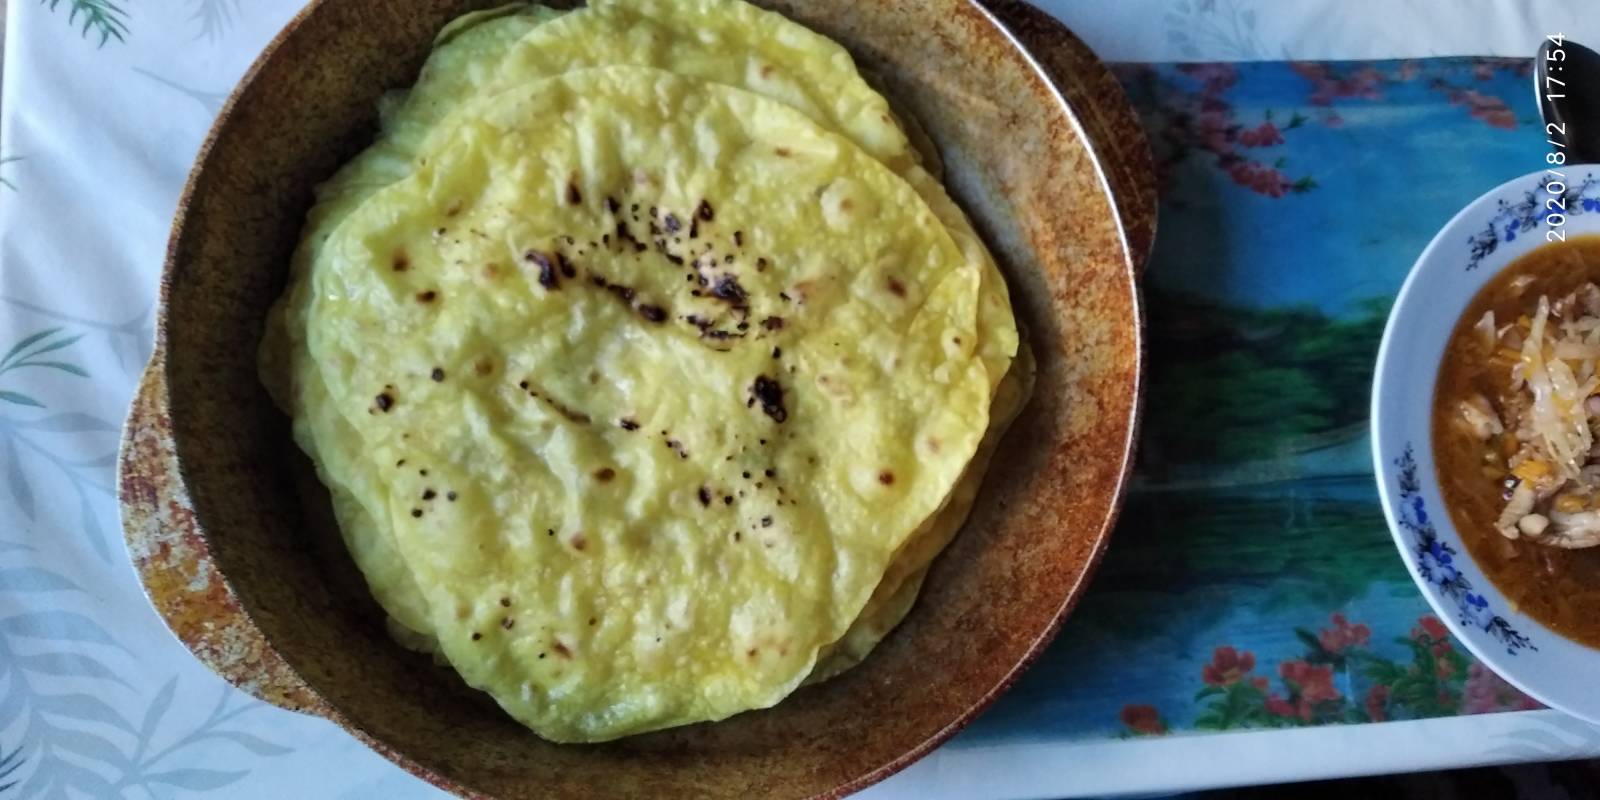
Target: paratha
[{"x": 512, "y": 58}]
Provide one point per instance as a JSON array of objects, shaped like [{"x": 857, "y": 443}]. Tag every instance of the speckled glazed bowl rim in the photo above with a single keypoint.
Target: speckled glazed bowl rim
[
  {"x": 1134, "y": 234},
  {"x": 1476, "y": 245}
]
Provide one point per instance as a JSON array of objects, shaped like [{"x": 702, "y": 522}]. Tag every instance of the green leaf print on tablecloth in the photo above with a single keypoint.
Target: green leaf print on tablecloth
[
  {"x": 9, "y": 764},
  {"x": 130, "y": 340},
  {"x": 62, "y": 672},
  {"x": 98, "y": 17},
  {"x": 5, "y": 181},
  {"x": 31, "y": 351},
  {"x": 63, "y": 730},
  {"x": 1219, "y": 26},
  {"x": 214, "y": 17},
  {"x": 26, "y": 441},
  {"x": 28, "y": 640},
  {"x": 210, "y": 101}
]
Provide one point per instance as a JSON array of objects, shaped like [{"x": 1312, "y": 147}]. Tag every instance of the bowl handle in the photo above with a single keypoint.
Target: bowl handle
[
  {"x": 1115, "y": 133},
  {"x": 174, "y": 560}
]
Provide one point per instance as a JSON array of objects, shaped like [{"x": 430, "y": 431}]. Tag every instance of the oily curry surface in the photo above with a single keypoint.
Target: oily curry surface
[{"x": 1559, "y": 587}]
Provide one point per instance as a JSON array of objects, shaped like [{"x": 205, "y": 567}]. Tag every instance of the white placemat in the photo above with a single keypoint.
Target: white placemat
[{"x": 104, "y": 103}]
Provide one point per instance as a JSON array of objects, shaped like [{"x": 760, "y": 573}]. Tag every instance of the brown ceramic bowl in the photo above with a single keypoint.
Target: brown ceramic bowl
[{"x": 231, "y": 538}]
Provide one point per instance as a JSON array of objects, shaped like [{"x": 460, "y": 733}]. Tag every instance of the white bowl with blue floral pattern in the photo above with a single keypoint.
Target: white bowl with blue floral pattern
[{"x": 1496, "y": 229}]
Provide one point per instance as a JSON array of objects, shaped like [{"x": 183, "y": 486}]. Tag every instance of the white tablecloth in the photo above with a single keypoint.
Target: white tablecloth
[{"x": 102, "y": 109}]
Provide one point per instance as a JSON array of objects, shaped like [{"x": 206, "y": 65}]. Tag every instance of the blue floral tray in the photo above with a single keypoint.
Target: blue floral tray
[{"x": 1253, "y": 582}]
